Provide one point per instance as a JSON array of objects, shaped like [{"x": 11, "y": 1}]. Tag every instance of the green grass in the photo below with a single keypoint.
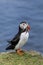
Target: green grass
[{"x": 29, "y": 58}]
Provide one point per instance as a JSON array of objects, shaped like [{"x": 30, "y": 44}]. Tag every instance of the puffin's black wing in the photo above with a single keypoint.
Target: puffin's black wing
[{"x": 13, "y": 42}]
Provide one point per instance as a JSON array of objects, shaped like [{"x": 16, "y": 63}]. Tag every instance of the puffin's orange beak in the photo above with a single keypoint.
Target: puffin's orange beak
[{"x": 28, "y": 27}]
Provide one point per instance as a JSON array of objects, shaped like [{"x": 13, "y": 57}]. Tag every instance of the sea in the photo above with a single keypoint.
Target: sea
[{"x": 12, "y": 12}]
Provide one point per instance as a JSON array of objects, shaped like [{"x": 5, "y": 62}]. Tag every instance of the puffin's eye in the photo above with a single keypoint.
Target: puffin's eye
[{"x": 23, "y": 23}]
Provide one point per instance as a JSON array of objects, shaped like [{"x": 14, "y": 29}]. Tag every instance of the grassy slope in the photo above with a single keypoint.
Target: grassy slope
[{"x": 30, "y": 58}]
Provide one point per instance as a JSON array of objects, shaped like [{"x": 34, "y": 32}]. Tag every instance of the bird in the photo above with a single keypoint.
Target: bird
[{"x": 20, "y": 38}]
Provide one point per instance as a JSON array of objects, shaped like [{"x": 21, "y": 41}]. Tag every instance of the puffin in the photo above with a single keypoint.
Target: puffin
[{"x": 20, "y": 38}]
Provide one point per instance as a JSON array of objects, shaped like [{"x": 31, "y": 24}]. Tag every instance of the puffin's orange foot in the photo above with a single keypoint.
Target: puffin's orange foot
[{"x": 20, "y": 52}]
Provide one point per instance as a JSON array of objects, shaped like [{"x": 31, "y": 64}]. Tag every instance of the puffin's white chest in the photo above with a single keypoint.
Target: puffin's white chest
[{"x": 23, "y": 39}]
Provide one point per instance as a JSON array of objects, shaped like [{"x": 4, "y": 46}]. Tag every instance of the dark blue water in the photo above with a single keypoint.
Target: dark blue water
[{"x": 12, "y": 12}]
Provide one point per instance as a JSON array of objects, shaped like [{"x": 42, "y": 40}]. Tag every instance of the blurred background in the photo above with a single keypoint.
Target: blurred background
[{"x": 12, "y": 12}]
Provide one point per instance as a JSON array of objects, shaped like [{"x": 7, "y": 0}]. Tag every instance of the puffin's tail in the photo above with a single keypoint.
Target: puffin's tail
[{"x": 10, "y": 47}]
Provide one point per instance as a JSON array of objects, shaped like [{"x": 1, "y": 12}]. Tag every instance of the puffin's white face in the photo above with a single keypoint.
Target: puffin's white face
[{"x": 24, "y": 26}]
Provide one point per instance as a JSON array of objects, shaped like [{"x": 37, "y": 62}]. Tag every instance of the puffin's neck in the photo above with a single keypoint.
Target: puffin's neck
[{"x": 21, "y": 31}]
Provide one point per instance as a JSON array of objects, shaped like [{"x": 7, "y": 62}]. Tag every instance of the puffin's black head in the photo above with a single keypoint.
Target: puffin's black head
[{"x": 24, "y": 26}]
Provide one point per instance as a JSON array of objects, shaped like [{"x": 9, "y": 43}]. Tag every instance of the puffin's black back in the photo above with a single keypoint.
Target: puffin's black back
[{"x": 13, "y": 42}]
